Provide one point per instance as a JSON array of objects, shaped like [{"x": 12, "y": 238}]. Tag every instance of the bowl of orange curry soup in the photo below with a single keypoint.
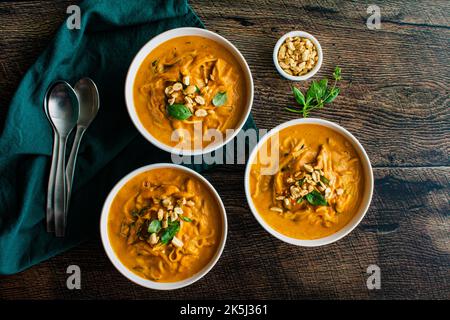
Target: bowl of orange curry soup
[
  {"x": 189, "y": 91},
  {"x": 163, "y": 226},
  {"x": 309, "y": 182}
]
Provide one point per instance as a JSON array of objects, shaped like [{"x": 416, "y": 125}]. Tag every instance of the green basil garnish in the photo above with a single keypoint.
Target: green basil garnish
[
  {"x": 154, "y": 226},
  {"x": 170, "y": 232},
  {"x": 135, "y": 213},
  {"x": 219, "y": 99},
  {"x": 324, "y": 180},
  {"x": 332, "y": 94},
  {"x": 298, "y": 95},
  {"x": 316, "y": 198},
  {"x": 318, "y": 94},
  {"x": 179, "y": 111},
  {"x": 186, "y": 219},
  {"x": 301, "y": 181}
]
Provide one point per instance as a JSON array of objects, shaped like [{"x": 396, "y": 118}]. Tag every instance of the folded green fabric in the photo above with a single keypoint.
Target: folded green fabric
[{"x": 112, "y": 31}]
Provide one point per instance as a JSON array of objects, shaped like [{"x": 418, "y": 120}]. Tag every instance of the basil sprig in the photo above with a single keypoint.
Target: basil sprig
[{"x": 318, "y": 94}]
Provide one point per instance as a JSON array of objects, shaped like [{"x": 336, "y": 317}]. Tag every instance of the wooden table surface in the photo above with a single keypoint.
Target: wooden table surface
[{"x": 395, "y": 100}]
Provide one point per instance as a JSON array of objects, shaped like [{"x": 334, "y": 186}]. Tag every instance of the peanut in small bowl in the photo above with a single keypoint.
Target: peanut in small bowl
[{"x": 297, "y": 55}]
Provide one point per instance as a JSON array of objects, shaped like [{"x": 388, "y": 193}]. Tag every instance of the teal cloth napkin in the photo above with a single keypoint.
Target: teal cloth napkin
[{"x": 112, "y": 31}]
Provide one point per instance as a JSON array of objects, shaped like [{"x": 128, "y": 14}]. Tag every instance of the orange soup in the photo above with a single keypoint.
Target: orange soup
[
  {"x": 315, "y": 187},
  {"x": 165, "y": 225},
  {"x": 189, "y": 82}
]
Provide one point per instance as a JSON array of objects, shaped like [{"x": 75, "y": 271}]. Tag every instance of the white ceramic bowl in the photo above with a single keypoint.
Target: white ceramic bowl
[
  {"x": 149, "y": 47},
  {"x": 302, "y": 34},
  {"x": 124, "y": 270},
  {"x": 368, "y": 186}
]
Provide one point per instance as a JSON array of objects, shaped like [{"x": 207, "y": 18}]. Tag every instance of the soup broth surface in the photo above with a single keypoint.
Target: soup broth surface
[
  {"x": 315, "y": 187},
  {"x": 165, "y": 225},
  {"x": 189, "y": 83}
]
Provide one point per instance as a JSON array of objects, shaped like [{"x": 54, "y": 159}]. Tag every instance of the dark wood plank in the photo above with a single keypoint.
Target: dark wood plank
[
  {"x": 407, "y": 237},
  {"x": 394, "y": 98}
]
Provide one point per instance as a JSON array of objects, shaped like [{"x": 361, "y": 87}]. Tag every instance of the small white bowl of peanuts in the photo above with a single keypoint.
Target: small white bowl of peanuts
[{"x": 297, "y": 55}]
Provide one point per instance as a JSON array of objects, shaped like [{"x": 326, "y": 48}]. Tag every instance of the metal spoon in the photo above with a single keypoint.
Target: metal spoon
[
  {"x": 51, "y": 181},
  {"x": 88, "y": 96},
  {"x": 63, "y": 111}
]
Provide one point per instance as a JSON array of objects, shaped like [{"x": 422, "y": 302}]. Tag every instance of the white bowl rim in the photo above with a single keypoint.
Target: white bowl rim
[
  {"x": 353, "y": 223},
  {"x": 148, "y": 48},
  {"x": 303, "y": 34},
  {"x": 134, "y": 277}
]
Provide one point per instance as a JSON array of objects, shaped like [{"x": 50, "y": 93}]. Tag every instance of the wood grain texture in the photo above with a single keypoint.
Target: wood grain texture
[{"x": 395, "y": 99}]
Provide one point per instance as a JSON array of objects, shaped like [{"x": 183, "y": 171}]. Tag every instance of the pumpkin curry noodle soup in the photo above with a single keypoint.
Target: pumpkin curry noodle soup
[
  {"x": 316, "y": 185},
  {"x": 185, "y": 81},
  {"x": 165, "y": 225}
]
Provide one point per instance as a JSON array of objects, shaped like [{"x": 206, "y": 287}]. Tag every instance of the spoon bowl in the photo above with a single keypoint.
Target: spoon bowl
[
  {"x": 88, "y": 96},
  {"x": 63, "y": 109}
]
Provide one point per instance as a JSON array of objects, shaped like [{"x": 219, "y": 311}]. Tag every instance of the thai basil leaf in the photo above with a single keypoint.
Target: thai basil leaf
[
  {"x": 179, "y": 111},
  {"x": 316, "y": 199},
  {"x": 154, "y": 226},
  {"x": 324, "y": 180},
  {"x": 301, "y": 181},
  {"x": 186, "y": 219},
  {"x": 219, "y": 99},
  {"x": 170, "y": 232},
  {"x": 313, "y": 91},
  {"x": 298, "y": 95},
  {"x": 323, "y": 84},
  {"x": 332, "y": 95}
]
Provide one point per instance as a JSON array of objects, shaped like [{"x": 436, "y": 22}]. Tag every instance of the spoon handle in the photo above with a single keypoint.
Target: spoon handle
[
  {"x": 70, "y": 169},
  {"x": 60, "y": 190},
  {"x": 51, "y": 185}
]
